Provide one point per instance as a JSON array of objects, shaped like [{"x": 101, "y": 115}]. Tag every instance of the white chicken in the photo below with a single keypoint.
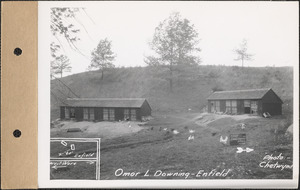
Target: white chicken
[
  {"x": 240, "y": 150},
  {"x": 191, "y": 137},
  {"x": 191, "y": 131},
  {"x": 243, "y": 125},
  {"x": 223, "y": 141}
]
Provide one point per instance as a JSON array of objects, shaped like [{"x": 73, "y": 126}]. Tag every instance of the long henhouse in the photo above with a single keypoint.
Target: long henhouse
[
  {"x": 105, "y": 109},
  {"x": 253, "y": 101}
]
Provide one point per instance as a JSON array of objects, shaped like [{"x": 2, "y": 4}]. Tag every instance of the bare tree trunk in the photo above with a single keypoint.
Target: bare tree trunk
[
  {"x": 102, "y": 76},
  {"x": 171, "y": 85},
  {"x": 171, "y": 77}
]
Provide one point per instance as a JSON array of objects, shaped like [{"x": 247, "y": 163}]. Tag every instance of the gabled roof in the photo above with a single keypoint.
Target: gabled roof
[
  {"x": 106, "y": 102},
  {"x": 239, "y": 94}
]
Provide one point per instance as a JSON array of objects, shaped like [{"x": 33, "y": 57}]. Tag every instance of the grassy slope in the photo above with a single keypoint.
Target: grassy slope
[{"x": 190, "y": 89}]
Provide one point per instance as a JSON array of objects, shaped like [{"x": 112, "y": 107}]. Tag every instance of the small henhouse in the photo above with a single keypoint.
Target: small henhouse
[
  {"x": 251, "y": 101},
  {"x": 105, "y": 109}
]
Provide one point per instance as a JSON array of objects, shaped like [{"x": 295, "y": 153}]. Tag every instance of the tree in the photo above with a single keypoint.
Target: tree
[
  {"x": 60, "y": 65},
  {"x": 64, "y": 29},
  {"x": 62, "y": 26},
  {"x": 102, "y": 57},
  {"x": 242, "y": 53},
  {"x": 175, "y": 43}
]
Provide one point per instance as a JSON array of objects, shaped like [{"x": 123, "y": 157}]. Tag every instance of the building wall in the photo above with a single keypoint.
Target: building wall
[
  {"x": 222, "y": 105},
  {"x": 269, "y": 103},
  {"x": 62, "y": 112},
  {"x": 79, "y": 114},
  {"x": 240, "y": 107},
  {"x": 259, "y": 107},
  {"x": 209, "y": 106},
  {"x": 145, "y": 110},
  {"x": 119, "y": 114},
  {"x": 271, "y": 97},
  {"x": 272, "y": 108},
  {"x": 139, "y": 114},
  {"x": 98, "y": 113}
]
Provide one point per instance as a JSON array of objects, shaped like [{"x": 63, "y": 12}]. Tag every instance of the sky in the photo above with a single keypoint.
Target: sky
[{"x": 271, "y": 29}]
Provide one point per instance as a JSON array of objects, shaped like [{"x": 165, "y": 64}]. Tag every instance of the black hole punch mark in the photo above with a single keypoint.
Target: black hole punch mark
[
  {"x": 17, "y": 51},
  {"x": 17, "y": 133}
]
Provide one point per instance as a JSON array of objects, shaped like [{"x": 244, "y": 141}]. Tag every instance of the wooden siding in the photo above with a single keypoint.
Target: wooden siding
[
  {"x": 62, "y": 112},
  {"x": 240, "y": 106},
  {"x": 222, "y": 105},
  {"x": 139, "y": 114},
  {"x": 79, "y": 114},
  {"x": 274, "y": 108},
  {"x": 98, "y": 114},
  {"x": 209, "y": 106},
  {"x": 271, "y": 97},
  {"x": 259, "y": 107},
  {"x": 145, "y": 110},
  {"x": 119, "y": 114}
]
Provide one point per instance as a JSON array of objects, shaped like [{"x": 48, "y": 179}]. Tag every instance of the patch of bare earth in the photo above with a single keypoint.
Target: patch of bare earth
[{"x": 86, "y": 129}]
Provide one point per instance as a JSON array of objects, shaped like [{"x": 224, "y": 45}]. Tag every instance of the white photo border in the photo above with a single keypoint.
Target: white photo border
[{"x": 44, "y": 123}]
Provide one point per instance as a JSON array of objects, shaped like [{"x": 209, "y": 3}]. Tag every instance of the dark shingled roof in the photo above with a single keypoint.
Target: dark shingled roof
[
  {"x": 106, "y": 102},
  {"x": 239, "y": 94}
]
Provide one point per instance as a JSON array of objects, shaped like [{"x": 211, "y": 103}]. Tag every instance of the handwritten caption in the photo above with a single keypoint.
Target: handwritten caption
[
  {"x": 159, "y": 173},
  {"x": 275, "y": 162}
]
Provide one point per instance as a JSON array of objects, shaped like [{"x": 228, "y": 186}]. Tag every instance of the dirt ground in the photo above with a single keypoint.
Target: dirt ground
[
  {"x": 162, "y": 145},
  {"x": 104, "y": 130}
]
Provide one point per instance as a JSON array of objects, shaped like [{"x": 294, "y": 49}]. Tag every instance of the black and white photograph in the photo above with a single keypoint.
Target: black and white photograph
[{"x": 169, "y": 90}]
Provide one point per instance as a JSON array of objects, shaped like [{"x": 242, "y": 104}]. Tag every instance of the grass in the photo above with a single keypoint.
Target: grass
[{"x": 153, "y": 148}]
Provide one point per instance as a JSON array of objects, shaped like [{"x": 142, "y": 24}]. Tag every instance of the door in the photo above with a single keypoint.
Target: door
[
  {"x": 92, "y": 114},
  {"x": 253, "y": 107},
  {"x": 246, "y": 106},
  {"x": 67, "y": 113},
  {"x": 85, "y": 114},
  {"x": 126, "y": 115},
  {"x": 133, "y": 115},
  {"x": 72, "y": 112}
]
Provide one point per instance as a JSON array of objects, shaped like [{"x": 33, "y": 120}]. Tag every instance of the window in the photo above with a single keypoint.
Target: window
[
  {"x": 247, "y": 103},
  {"x": 233, "y": 106},
  {"x": 228, "y": 106},
  {"x": 92, "y": 115},
  {"x": 126, "y": 114},
  {"x": 67, "y": 113},
  {"x": 133, "y": 114},
  {"x": 85, "y": 114},
  {"x": 111, "y": 114},
  {"x": 105, "y": 114}
]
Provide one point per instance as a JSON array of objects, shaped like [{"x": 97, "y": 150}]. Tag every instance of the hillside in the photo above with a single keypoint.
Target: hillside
[{"x": 190, "y": 89}]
